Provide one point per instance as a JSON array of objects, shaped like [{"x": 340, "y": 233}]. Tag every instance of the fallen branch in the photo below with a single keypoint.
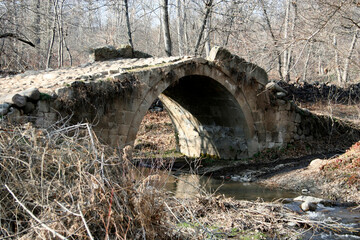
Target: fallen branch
[
  {"x": 33, "y": 216},
  {"x": 85, "y": 223}
]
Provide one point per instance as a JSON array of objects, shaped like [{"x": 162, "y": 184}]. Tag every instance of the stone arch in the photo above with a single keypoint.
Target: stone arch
[{"x": 241, "y": 140}]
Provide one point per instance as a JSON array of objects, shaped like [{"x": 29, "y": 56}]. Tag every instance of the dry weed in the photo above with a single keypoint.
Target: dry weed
[{"x": 72, "y": 187}]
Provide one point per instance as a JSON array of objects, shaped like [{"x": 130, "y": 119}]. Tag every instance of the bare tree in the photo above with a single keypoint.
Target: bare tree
[
  {"x": 274, "y": 39},
  {"x": 166, "y": 28},
  {"x": 208, "y": 6},
  {"x": 180, "y": 26},
  {"x": 128, "y": 24},
  {"x": 347, "y": 61}
]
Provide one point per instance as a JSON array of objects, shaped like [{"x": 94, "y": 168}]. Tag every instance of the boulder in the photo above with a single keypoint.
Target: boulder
[
  {"x": 308, "y": 206},
  {"x": 280, "y": 94},
  {"x": 309, "y": 199},
  {"x": 14, "y": 116},
  {"x": 275, "y": 87},
  {"x": 29, "y": 107},
  {"x": 314, "y": 200},
  {"x": 4, "y": 109},
  {"x": 19, "y": 100},
  {"x": 316, "y": 164},
  {"x": 31, "y": 93}
]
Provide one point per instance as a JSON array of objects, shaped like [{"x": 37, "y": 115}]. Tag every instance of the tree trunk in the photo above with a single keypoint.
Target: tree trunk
[
  {"x": 180, "y": 27},
  {"x": 337, "y": 65},
  {"x": 59, "y": 21},
  {"x": 208, "y": 6},
  {"x": 166, "y": 28},
  {"x": 277, "y": 52},
  {"x": 207, "y": 36},
  {"x": 229, "y": 23},
  {"x": 52, "y": 40},
  {"x": 348, "y": 58},
  {"x": 186, "y": 36},
  {"x": 290, "y": 55},
  {"x": 128, "y": 25},
  {"x": 307, "y": 62},
  {"x": 37, "y": 20},
  {"x": 286, "y": 41}
]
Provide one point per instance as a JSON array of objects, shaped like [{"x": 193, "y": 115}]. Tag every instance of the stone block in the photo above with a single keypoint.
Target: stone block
[
  {"x": 19, "y": 100},
  {"x": 307, "y": 130},
  {"x": 128, "y": 117},
  {"x": 297, "y": 118},
  {"x": 111, "y": 124},
  {"x": 43, "y": 106},
  {"x": 103, "y": 134},
  {"x": 271, "y": 144},
  {"x": 50, "y": 117},
  {"x": 29, "y": 107},
  {"x": 4, "y": 109},
  {"x": 280, "y": 94},
  {"x": 299, "y": 131},
  {"x": 268, "y": 137},
  {"x": 39, "y": 123},
  {"x": 280, "y": 102},
  {"x": 262, "y": 137},
  {"x": 15, "y": 116},
  {"x": 31, "y": 93},
  {"x": 123, "y": 129}
]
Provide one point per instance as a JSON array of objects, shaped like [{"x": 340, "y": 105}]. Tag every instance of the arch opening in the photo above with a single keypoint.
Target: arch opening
[{"x": 207, "y": 118}]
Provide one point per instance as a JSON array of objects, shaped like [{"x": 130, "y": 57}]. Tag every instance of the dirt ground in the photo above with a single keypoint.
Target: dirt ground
[
  {"x": 336, "y": 184},
  {"x": 342, "y": 111},
  {"x": 156, "y": 135}
]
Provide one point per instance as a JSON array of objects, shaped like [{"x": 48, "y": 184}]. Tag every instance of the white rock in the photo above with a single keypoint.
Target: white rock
[
  {"x": 308, "y": 206},
  {"x": 316, "y": 164},
  {"x": 309, "y": 199}
]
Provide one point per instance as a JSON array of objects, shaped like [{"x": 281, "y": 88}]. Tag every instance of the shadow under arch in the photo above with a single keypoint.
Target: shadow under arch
[{"x": 207, "y": 118}]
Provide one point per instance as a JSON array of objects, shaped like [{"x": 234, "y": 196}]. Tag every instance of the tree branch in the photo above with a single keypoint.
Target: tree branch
[{"x": 17, "y": 37}]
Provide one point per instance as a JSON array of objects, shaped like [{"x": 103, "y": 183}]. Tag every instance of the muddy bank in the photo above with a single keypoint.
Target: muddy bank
[{"x": 250, "y": 172}]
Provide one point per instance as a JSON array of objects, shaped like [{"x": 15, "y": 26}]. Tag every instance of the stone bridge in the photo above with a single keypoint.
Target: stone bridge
[{"x": 221, "y": 106}]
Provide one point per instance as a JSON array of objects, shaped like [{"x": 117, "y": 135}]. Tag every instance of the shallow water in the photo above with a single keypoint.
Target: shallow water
[{"x": 187, "y": 185}]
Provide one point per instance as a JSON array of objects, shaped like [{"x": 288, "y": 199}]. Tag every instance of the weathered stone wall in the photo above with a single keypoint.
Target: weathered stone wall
[
  {"x": 222, "y": 106},
  {"x": 306, "y": 92}
]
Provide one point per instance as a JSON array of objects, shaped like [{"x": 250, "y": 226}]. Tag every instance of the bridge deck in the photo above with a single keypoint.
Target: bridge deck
[{"x": 49, "y": 80}]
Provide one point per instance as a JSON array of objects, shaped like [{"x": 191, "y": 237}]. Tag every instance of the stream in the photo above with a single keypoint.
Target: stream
[{"x": 185, "y": 185}]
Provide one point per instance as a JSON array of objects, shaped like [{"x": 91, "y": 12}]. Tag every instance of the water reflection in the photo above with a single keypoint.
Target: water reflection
[{"x": 187, "y": 185}]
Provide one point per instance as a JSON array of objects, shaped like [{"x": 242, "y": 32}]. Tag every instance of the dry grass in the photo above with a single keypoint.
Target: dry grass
[{"x": 73, "y": 188}]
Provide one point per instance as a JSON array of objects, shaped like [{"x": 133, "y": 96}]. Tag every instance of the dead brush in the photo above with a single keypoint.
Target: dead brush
[{"x": 56, "y": 186}]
